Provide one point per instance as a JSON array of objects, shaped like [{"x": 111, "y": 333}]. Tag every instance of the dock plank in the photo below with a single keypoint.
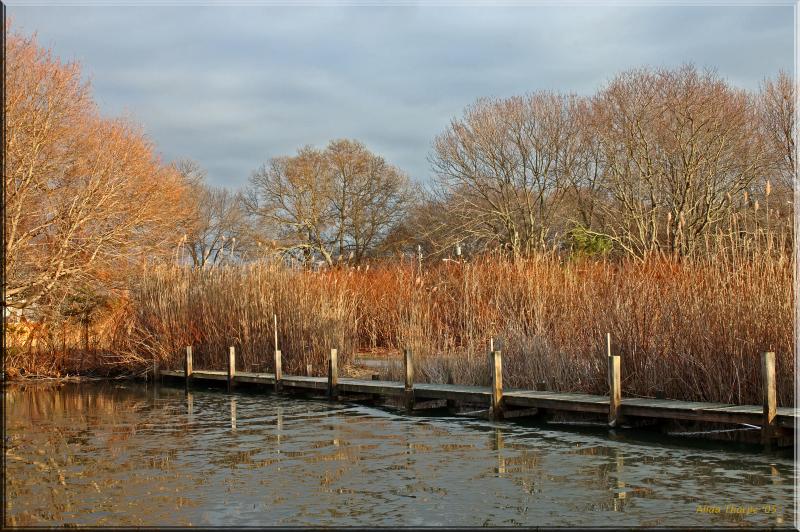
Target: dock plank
[
  {"x": 452, "y": 391},
  {"x": 255, "y": 378},
  {"x": 208, "y": 374},
  {"x": 391, "y": 388},
  {"x": 300, "y": 381},
  {"x": 574, "y": 402}
]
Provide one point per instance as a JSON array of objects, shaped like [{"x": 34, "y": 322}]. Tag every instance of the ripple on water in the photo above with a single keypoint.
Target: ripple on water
[{"x": 129, "y": 455}]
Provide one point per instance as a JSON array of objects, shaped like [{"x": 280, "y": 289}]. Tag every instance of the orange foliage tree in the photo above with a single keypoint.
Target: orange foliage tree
[{"x": 86, "y": 197}]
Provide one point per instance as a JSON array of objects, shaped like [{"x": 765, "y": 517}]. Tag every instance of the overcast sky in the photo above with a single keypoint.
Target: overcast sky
[{"x": 233, "y": 86}]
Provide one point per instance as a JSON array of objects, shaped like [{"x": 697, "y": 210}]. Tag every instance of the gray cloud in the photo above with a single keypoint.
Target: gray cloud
[{"x": 233, "y": 86}]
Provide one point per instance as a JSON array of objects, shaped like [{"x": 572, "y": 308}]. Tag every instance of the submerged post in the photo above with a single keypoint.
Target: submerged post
[
  {"x": 409, "y": 382},
  {"x": 231, "y": 366},
  {"x": 187, "y": 365},
  {"x": 614, "y": 386},
  {"x": 497, "y": 384},
  {"x": 333, "y": 377},
  {"x": 770, "y": 397}
]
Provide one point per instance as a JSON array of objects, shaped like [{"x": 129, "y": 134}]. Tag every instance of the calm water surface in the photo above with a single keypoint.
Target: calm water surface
[{"x": 127, "y": 454}]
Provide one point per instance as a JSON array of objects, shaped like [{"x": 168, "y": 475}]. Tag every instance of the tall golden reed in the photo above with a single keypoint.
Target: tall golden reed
[{"x": 693, "y": 330}]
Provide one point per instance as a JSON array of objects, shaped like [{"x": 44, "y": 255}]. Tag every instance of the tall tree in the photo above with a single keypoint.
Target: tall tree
[
  {"x": 506, "y": 166},
  {"x": 220, "y": 230},
  {"x": 370, "y": 197},
  {"x": 341, "y": 201},
  {"x": 292, "y": 195},
  {"x": 85, "y": 196},
  {"x": 777, "y": 107},
  {"x": 680, "y": 149}
]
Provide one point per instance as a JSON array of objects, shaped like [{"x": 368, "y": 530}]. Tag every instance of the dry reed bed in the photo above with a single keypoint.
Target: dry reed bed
[
  {"x": 221, "y": 307},
  {"x": 692, "y": 330}
]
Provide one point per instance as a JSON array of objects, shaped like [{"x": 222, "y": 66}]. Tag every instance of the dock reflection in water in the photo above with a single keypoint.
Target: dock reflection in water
[{"x": 124, "y": 454}]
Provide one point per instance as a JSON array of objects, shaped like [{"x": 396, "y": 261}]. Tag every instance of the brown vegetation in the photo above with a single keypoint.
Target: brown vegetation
[
  {"x": 658, "y": 209},
  {"x": 86, "y": 198},
  {"x": 692, "y": 330}
]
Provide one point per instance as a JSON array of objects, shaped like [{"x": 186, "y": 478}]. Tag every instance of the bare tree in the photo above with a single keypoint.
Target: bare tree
[
  {"x": 680, "y": 147},
  {"x": 506, "y": 167},
  {"x": 586, "y": 193},
  {"x": 292, "y": 194},
  {"x": 777, "y": 113},
  {"x": 370, "y": 197},
  {"x": 343, "y": 199},
  {"x": 220, "y": 230},
  {"x": 777, "y": 108}
]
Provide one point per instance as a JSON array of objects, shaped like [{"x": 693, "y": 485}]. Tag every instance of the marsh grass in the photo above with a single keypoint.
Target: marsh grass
[
  {"x": 693, "y": 330},
  {"x": 690, "y": 329},
  {"x": 234, "y": 306}
]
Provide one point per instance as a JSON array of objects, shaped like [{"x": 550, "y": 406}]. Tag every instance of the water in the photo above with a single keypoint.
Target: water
[{"x": 124, "y": 454}]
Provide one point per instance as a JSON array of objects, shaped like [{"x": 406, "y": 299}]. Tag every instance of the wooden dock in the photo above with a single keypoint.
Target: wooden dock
[{"x": 774, "y": 422}]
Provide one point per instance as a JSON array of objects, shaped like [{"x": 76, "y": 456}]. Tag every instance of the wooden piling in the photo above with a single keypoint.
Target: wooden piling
[
  {"x": 497, "y": 384},
  {"x": 231, "y": 366},
  {"x": 278, "y": 370},
  {"x": 275, "y": 329},
  {"x": 333, "y": 376},
  {"x": 614, "y": 386},
  {"x": 770, "y": 398},
  {"x": 187, "y": 366},
  {"x": 409, "y": 380}
]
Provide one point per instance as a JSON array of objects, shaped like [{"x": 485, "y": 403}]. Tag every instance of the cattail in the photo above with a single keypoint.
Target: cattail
[
  {"x": 768, "y": 189},
  {"x": 755, "y": 206}
]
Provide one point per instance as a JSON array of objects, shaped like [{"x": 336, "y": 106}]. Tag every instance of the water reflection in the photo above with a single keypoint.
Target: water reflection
[
  {"x": 189, "y": 407},
  {"x": 233, "y": 413},
  {"x": 123, "y": 454}
]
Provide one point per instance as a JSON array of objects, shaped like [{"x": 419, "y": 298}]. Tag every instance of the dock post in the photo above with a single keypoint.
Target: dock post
[
  {"x": 614, "y": 386},
  {"x": 770, "y": 398},
  {"x": 278, "y": 370},
  {"x": 333, "y": 377},
  {"x": 409, "y": 381},
  {"x": 497, "y": 385},
  {"x": 231, "y": 366},
  {"x": 187, "y": 366}
]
